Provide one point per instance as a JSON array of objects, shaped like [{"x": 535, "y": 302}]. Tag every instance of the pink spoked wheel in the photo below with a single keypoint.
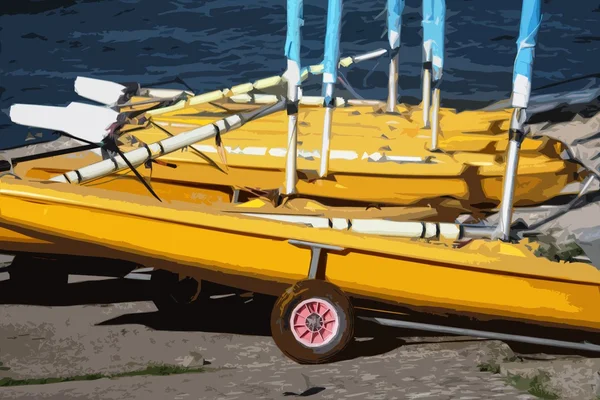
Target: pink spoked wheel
[{"x": 312, "y": 322}]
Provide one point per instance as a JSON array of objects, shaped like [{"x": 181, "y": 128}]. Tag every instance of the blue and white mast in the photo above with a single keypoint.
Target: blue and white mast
[
  {"x": 293, "y": 78},
  {"x": 437, "y": 62},
  {"x": 394, "y": 26},
  {"x": 434, "y": 15},
  {"x": 427, "y": 56},
  {"x": 531, "y": 17},
  {"x": 330, "y": 69}
]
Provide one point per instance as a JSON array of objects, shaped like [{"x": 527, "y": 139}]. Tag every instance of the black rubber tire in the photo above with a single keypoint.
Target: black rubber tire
[
  {"x": 280, "y": 322},
  {"x": 174, "y": 295}
]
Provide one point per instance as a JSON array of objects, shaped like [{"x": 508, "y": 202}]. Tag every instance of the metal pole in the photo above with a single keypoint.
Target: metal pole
[
  {"x": 517, "y": 134},
  {"x": 484, "y": 334},
  {"x": 394, "y": 23},
  {"x": 435, "y": 119},
  {"x": 530, "y": 22},
  {"x": 426, "y": 93},
  {"x": 437, "y": 63},
  {"x": 292, "y": 75},
  {"x": 330, "y": 64},
  {"x": 427, "y": 58}
]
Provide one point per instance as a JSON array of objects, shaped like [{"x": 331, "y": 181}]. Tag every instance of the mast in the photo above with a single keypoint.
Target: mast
[
  {"x": 427, "y": 43},
  {"x": 522, "y": 73},
  {"x": 330, "y": 67},
  {"x": 437, "y": 61},
  {"x": 292, "y": 75},
  {"x": 394, "y": 25}
]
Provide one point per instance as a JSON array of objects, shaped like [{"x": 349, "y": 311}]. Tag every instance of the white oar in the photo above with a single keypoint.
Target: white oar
[
  {"x": 111, "y": 93},
  {"x": 101, "y": 91},
  {"x": 382, "y": 227},
  {"x": 152, "y": 151},
  {"x": 81, "y": 121}
]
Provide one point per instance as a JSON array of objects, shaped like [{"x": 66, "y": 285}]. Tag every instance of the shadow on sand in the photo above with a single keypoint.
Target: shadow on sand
[{"x": 235, "y": 314}]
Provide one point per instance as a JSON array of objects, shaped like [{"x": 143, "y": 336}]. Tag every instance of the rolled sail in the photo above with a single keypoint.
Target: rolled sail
[
  {"x": 394, "y": 22},
  {"x": 332, "y": 41},
  {"x": 295, "y": 22},
  {"x": 531, "y": 17},
  {"x": 434, "y": 16}
]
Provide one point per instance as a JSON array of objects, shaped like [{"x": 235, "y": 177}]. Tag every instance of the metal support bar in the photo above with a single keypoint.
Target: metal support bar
[
  {"x": 369, "y": 56},
  {"x": 484, "y": 334},
  {"x": 587, "y": 184},
  {"x": 235, "y": 198},
  {"x": 291, "y": 175},
  {"x": 435, "y": 119},
  {"x": 426, "y": 95},
  {"x": 517, "y": 134},
  {"x": 315, "y": 254},
  {"x": 393, "y": 82},
  {"x": 138, "y": 276},
  {"x": 327, "y": 122}
]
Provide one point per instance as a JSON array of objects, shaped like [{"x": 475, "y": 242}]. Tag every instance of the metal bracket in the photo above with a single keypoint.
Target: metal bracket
[
  {"x": 316, "y": 269},
  {"x": 235, "y": 198}
]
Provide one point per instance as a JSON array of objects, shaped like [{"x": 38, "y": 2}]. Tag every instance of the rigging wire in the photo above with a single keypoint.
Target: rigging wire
[{"x": 342, "y": 79}]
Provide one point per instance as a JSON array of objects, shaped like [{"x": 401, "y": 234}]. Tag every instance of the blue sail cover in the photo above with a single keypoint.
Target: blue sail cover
[
  {"x": 434, "y": 17},
  {"x": 394, "y": 22},
  {"x": 292, "y": 43},
  {"x": 332, "y": 41},
  {"x": 531, "y": 17}
]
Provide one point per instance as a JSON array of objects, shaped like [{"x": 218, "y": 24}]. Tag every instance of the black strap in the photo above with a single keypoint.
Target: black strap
[
  {"x": 292, "y": 107},
  {"x": 147, "y": 149},
  {"x": 79, "y": 177},
  {"x": 135, "y": 171},
  {"x": 199, "y": 153},
  {"x": 218, "y": 139}
]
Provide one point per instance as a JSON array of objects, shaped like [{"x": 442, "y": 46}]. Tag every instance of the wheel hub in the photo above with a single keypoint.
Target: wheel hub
[{"x": 314, "y": 322}]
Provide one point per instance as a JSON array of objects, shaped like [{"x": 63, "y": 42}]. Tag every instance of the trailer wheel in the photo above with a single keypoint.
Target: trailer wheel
[
  {"x": 173, "y": 294},
  {"x": 312, "y": 322}
]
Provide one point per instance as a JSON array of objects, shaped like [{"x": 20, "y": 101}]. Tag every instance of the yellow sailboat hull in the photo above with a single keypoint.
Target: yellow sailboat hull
[{"x": 488, "y": 279}]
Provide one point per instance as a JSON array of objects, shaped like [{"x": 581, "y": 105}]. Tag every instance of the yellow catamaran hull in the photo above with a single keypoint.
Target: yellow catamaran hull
[
  {"x": 375, "y": 158},
  {"x": 483, "y": 278}
]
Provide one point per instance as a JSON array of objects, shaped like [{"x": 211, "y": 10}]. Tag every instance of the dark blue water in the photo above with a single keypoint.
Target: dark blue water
[{"x": 214, "y": 44}]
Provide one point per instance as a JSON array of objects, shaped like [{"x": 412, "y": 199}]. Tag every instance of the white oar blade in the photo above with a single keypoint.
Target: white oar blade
[
  {"x": 89, "y": 123},
  {"x": 46, "y": 117},
  {"x": 104, "y": 92},
  {"x": 83, "y": 121}
]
